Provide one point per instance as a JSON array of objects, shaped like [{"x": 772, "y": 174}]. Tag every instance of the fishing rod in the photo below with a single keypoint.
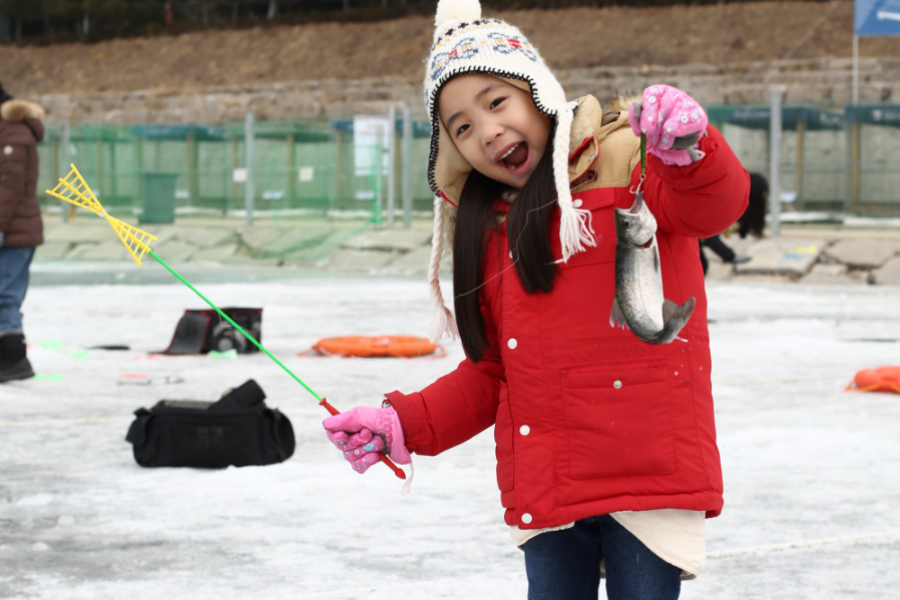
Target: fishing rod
[{"x": 73, "y": 189}]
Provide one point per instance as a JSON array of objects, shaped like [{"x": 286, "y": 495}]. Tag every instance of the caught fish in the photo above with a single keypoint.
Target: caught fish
[{"x": 640, "y": 304}]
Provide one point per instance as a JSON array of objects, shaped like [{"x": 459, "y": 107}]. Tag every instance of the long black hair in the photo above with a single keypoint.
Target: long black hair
[
  {"x": 527, "y": 226},
  {"x": 754, "y": 218}
]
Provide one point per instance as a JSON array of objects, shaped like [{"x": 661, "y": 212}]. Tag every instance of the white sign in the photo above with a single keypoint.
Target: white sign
[
  {"x": 368, "y": 131},
  {"x": 307, "y": 173},
  {"x": 787, "y": 196},
  {"x": 239, "y": 175}
]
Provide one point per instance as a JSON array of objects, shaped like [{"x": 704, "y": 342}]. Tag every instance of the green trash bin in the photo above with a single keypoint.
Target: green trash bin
[{"x": 158, "y": 192}]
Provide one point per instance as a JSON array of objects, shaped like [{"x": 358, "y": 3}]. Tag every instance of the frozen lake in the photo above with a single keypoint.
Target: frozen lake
[{"x": 803, "y": 460}]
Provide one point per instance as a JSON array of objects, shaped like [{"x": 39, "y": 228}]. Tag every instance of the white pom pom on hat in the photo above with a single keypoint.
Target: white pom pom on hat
[{"x": 457, "y": 10}]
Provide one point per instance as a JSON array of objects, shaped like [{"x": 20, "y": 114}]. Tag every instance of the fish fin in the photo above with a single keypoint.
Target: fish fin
[
  {"x": 616, "y": 318},
  {"x": 673, "y": 311}
]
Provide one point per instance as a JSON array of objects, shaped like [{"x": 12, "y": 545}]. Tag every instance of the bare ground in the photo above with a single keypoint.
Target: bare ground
[{"x": 570, "y": 38}]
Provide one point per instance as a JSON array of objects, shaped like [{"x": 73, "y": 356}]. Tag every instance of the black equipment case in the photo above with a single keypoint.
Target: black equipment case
[
  {"x": 237, "y": 430},
  {"x": 204, "y": 330}
]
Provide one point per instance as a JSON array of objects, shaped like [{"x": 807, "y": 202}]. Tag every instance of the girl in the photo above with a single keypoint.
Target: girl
[{"x": 606, "y": 445}]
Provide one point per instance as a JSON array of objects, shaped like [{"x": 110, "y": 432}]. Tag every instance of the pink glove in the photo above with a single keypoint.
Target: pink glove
[
  {"x": 668, "y": 117},
  {"x": 362, "y": 432}
]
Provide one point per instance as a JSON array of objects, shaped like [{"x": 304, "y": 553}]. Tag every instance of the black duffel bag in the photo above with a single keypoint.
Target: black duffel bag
[{"x": 237, "y": 430}]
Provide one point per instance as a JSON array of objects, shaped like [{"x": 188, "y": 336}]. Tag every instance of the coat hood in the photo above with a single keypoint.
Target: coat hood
[
  {"x": 16, "y": 111},
  {"x": 19, "y": 111}
]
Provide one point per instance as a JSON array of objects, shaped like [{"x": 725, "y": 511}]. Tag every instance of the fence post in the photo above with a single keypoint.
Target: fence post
[
  {"x": 378, "y": 170},
  {"x": 406, "y": 172},
  {"x": 392, "y": 164},
  {"x": 63, "y": 161},
  {"x": 775, "y": 161},
  {"x": 248, "y": 164}
]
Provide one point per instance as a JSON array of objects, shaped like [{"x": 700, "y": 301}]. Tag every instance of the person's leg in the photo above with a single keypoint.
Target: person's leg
[
  {"x": 703, "y": 261},
  {"x": 14, "y": 263},
  {"x": 565, "y": 564},
  {"x": 633, "y": 571}
]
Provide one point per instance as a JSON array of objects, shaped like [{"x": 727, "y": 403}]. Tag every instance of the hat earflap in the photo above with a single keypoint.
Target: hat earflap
[
  {"x": 575, "y": 227},
  {"x": 444, "y": 323}
]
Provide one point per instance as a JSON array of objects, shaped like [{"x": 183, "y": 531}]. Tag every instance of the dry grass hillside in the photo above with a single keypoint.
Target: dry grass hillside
[{"x": 569, "y": 38}]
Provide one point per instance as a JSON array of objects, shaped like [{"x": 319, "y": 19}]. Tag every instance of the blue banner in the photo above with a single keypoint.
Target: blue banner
[{"x": 876, "y": 17}]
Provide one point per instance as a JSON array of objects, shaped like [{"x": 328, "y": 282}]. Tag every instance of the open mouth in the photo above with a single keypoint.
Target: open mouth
[{"x": 514, "y": 158}]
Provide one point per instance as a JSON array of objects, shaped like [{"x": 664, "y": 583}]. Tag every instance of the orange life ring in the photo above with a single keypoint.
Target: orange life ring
[
  {"x": 364, "y": 346},
  {"x": 882, "y": 379}
]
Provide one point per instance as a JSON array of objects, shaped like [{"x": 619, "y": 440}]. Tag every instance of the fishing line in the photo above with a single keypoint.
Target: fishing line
[{"x": 504, "y": 270}]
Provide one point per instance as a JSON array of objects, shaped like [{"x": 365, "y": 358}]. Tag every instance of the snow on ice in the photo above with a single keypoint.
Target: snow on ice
[{"x": 803, "y": 460}]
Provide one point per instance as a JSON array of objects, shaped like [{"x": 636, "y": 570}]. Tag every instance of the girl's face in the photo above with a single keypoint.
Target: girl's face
[{"x": 495, "y": 126}]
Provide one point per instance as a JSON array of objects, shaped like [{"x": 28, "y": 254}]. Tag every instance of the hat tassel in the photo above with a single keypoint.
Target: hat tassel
[
  {"x": 444, "y": 324},
  {"x": 575, "y": 228}
]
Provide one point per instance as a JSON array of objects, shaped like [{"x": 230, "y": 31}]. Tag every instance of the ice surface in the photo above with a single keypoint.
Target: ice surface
[{"x": 803, "y": 459}]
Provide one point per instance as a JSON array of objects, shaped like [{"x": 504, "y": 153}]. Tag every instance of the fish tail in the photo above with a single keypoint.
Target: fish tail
[{"x": 616, "y": 317}]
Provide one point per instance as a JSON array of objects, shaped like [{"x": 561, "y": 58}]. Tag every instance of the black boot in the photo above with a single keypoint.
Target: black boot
[{"x": 13, "y": 362}]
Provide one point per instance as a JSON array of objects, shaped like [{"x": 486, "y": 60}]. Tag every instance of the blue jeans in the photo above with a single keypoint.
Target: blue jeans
[
  {"x": 565, "y": 564},
  {"x": 14, "y": 263}
]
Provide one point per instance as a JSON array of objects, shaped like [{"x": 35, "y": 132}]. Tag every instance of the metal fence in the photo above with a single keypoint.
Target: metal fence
[
  {"x": 296, "y": 168},
  {"x": 845, "y": 160},
  {"x": 836, "y": 159}
]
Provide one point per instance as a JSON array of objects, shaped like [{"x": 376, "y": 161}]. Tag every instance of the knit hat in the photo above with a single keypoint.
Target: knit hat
[{"x": 466, "y": 43}]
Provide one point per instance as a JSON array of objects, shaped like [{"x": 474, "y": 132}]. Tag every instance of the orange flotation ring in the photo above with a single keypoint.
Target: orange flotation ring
[
  {"x": 882, "y": 379},
  {"x": 363, "y": 346}
]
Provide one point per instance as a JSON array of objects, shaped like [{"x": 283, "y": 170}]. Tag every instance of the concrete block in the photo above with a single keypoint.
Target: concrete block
[
  {"x": 52, "y": 250},
  {"x": 829, "y": 274},
  {"x": 863, "y": 254},
  {"x": 175, "y": 250},
  {"x": 318, "y": 251},
  {"x": 719, "y": 271},
  {"x": 93, "y": 231},
  {"x": 163, "y": 233},
  {"x": 216, "y": 253},
  {"x": 206, "y": 237},
  {"x": 782, "y": 256},
  {"x": 257, "y": 238},
  {"x": 111, "y": 250},
  {"x": 417, "y": 259},
  {"x": 343, "y": 259},
  {"x": 296, "y": 239},
  {"x": 386, "y": 240},
  {"x": 889, "y": 273}
]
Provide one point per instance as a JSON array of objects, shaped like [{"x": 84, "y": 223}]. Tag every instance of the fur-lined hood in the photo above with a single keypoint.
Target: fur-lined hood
[{"x": 16, "y": 111}]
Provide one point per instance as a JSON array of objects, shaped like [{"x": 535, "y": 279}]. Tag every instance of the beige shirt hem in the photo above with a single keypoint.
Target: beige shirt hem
[{"x": 676, "y": 536}]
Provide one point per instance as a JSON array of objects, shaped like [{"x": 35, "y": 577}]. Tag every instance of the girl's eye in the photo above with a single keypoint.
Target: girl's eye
[
  {"x": 461, "y": 130},
  {"x": 497, "y": 102}
]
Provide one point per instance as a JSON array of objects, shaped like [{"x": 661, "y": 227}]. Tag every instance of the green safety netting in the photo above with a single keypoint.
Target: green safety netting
[
  {"x": 758, "y": 117},
  {"x": 886, "y": 115}
]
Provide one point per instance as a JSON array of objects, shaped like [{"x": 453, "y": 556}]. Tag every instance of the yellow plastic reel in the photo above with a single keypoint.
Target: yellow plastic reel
[{"x": 74, "y": 189}]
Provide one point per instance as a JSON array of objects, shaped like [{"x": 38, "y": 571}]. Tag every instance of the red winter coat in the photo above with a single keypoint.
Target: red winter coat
[{"x": 590, "y": 420}]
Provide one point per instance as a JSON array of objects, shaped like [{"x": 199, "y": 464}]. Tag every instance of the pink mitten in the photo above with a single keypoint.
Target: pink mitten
[
  {"x": 667, "y": 114},
  {"x": 362, "y": 432}
]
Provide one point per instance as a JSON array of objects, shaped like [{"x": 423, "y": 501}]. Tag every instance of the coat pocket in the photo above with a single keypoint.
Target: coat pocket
[{"x": 619, "y": 419}]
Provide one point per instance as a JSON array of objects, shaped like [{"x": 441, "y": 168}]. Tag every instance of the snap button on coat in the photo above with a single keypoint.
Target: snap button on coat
[
  {"x": 512, "y": 343},
  {"x": 577, "y": 203},
  {"x": 524, "y": 429},
  {"x": 526, "y": 518},
  {"x": 617, "y": 384}
]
